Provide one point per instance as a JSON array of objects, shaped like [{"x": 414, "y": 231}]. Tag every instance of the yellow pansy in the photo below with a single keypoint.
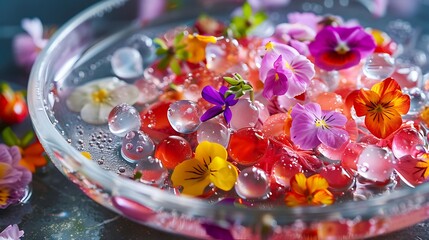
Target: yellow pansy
[{"x": 209, "y": 165}]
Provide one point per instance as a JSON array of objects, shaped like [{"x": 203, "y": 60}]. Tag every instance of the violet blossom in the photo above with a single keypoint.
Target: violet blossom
[
  {"x": 12, "y": 232},
  {"x": 312, "y": 126},
  {"x": 295, "y": 35},
  {"x": 284, "y": 71},
  {"x": 336, "y": 48},
  {"x": 13, "y": 177},
  {"x": 221, "y": 102},
  {"x": 26, "y": 46}
]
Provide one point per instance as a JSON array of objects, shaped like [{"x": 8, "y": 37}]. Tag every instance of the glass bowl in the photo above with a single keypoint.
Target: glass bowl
[{"x": 72, "y": 58}]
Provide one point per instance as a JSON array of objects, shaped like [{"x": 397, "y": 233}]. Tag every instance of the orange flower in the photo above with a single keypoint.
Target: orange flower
[
  {"x": 32, "y": 156},
  {"x": 382, "y": 107},
  {"x": 311, "y": 191},
  {"x": 197, "y": 47}
]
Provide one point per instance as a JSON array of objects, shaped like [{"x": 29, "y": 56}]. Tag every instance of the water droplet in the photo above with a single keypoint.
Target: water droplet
[
  {"x": 123, "y": 119},
  {"x": 152, "y": 171},
  {"x": 139, "y": 139},
  {"x": 379, "y": 66},
  {"x": 252, "y": 183},
  {"x": 244, "y": 114},
  {"x": 184, "y": 116},
  {"x": 213, "y": 131},
  {"x": 127, "y": 63}
]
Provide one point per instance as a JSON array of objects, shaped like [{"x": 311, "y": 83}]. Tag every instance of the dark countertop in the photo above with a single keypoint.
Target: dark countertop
[{"x": 58, "y": 209}]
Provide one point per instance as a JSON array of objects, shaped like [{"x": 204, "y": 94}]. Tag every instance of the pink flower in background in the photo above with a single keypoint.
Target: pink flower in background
[
  {"x": 13, "y": 177},
  {"x": 27, "y": 46},
  {"x": 309, "y": 19},
  {"x": 400, "y": 7},
  {"x": 262, "y": 4},
  {"x": 284, "y": 71},
  {"x": 312, "y": 126},
  {"x": 336, "y": 48},
  {"x": 12, "y": 232},
  {"x": 295, "y": 35},
  {"x": 149, "y": 9}
]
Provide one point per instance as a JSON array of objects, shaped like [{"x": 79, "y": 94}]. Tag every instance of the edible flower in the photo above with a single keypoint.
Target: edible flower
[
  {"x": 12, "y": 104},
  {"x": 196, "y": 47},
  {"x": 296, "y": 35},
  {"x": 27, "y": 46},
  {"x": 96, "y": 99},
  {"x": 221, "y": 100},
  {"x": 308, "y": 191},
  {"x": 31, "y": 151},
  {"x": 13, "y": 177},
  {"x": 242, "y": 25},
  {"x": 336, "y": 48},
  {"x": 422, "y": 165},
  {"x": 284, "y": 71},
  {"x": 12, "y": 232},
  {"x": 209, "y": 165},
  {"x": 382, "y": 107},
  {"x": 312, "y": 126}
]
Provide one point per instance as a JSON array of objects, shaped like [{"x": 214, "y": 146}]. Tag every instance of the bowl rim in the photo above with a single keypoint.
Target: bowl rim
[{"x": 49, "y": 137}]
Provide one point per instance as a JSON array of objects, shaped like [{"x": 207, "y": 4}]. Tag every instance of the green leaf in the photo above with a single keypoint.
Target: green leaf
[
  {"x": 161, "y": 51},
  {"x": 175, "y": 66},
  {"x": 161, "y": 43},
  {"x": 247, "y": 10},
  {"x": 9, "y": 137},
  {"x": 182, "y": 54},
  {"x": 137, "y": 175},
  {"x": 231, "y": 80},
  {"x": 163, "y": 64},
  {"x": 259, "y": 18},
  {"x": 235, "y": 88},
  {"x": 27, "y": 139},
  {"x": 178, "y": 39},
  {"x": 246, "y": 87},
  {"x": 239, "y": 94}
]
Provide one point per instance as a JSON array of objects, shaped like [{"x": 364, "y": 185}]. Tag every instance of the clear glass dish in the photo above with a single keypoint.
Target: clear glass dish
[{"x": 69, "y": 60}]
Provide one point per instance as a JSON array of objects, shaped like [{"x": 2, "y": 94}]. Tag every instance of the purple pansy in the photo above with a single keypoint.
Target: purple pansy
[
  {"x": 336, "y": 48},
  {"x": 284, "y": 71},
  {"x": 27, "y": 46},
  {"x": 221, "y": 102},
  {"x": 312, "y": 126},
  {"x": 12, "y": 232},
  {"x": 13, "y": 178}
]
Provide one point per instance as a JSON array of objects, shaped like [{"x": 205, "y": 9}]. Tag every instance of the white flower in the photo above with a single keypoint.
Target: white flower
[{"x": 96, "y": 99}]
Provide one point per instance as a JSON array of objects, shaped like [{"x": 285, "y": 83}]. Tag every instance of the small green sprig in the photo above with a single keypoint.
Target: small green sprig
[
  {"x": 171, "y": 56},
  {"x": 239, "y": 87},
  {"x": 242, "y": 25}
]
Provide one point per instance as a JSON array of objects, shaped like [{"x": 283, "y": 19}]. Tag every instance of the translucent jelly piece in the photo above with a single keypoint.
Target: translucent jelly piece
[
  {"x": 148, "y": 91},
  {"x": 151, "y": 171},
  {"x": 247, "y": 146},
  {"x": 405, "y": 142},
  {"x": 184, "y": 116},
  {"x": 408, "y": 75},
  {"x": 379, "y": 66},
  {"x": 173, "y": 150},
  {"x": 123, "y": 119},
  {"x": 284, "y": 170},
  {"x": 244, "y": 114},
  {"x": 127, "y": 63},
  {"x": 144, "y": 45},
  {"x": 136, "y": 145},
  {"x": 213, "y": 131},
  {"x": 375, "y": 164},
  {"x": 418, "y": 100},
  {"x": 252, "y": 183},
  {"x": 338, "y": 178}
]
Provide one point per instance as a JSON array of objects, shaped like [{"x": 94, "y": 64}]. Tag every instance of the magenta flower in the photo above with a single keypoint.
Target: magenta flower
[
  {"x": 336, "y": 48},
  {"x": 221, "y": 102},
  {"x": 12, "y": 232},
  {"x": 13, "y": 178},
  {"x": 27, "y": 46},
  {"x": 307, "y": 18},
  {"x": 284, "y": 71},
  {"x": 312, "y": 126}
]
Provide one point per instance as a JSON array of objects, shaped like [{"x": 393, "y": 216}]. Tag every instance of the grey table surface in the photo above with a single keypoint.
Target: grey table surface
[{"x": 57, "y": 208}]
